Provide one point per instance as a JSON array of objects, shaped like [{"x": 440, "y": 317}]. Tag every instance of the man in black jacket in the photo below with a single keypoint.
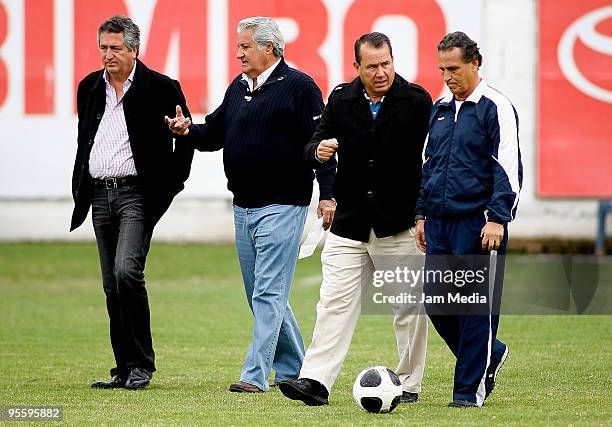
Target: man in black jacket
[
  {"x": 127, "y": 169},
  {"x": 267, "y": 117},
  {"x": 378, "y": 125}
]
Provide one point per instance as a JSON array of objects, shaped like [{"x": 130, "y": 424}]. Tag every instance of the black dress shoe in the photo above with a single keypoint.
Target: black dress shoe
[
  {"x": 311, "y": 392},
  {"x": 408, "y": 397},
  {"x": 116, "y": 381},
  {"x": 138, "y": 378},
  {"x": 461, "y": 404}
]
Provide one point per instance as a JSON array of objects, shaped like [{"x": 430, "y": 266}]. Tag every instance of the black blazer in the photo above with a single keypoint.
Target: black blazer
[
  {"x": 162, "y": 169},
  {"x": 379, "y": 161}
]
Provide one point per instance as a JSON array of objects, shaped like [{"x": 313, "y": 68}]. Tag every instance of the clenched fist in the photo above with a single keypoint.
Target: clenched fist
[{"x": 326, "y": 149}]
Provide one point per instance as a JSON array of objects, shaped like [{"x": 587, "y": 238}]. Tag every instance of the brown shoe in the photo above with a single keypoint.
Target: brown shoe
[{"x": 242, "y": 387}]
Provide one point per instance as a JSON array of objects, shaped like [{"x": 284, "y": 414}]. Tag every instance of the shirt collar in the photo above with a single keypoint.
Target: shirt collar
[
  {"x": 478, "y": 91},
  {"x": 261, "y": 79},
  {"x": 130, "y": 78},
  {"x": 370, "y": 100}
]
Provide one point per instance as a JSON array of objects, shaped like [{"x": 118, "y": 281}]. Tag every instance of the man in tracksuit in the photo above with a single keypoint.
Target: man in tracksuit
[{"x": 472, "y": 175}]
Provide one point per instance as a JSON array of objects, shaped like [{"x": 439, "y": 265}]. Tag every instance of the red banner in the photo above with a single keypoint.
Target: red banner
[{"x": 575, "y": 99}]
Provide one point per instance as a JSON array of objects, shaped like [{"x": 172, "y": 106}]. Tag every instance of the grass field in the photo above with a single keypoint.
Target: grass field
[{"x": 54, "y": 342}]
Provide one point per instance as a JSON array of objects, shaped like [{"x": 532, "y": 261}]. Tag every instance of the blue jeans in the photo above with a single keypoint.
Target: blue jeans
[
  {"x": 123, "y": 236},
  {"x": 267, "y": 243}
]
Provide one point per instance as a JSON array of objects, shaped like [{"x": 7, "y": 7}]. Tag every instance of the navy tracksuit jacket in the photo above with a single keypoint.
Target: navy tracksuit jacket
[{"x": 472, "y": 174}]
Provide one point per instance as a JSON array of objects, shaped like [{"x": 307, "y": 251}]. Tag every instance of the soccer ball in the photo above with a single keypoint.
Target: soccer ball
[{"x": 377, "y": 389}]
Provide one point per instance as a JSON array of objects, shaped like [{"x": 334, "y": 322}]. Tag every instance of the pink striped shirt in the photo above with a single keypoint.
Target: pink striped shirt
[{"x": 111, "y": 154}]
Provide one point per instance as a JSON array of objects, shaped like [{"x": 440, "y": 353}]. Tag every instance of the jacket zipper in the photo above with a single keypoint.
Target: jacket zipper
[{"x": 450, "y": 145}]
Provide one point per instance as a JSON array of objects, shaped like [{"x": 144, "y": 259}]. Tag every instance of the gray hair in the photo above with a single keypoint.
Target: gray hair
[
  {"x": 122, "y": 24},
  {"x": 266, "y": 31}
]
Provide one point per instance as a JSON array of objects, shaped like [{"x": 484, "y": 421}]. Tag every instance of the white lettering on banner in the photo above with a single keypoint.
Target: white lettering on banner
[{"x": 583, "y": 29}]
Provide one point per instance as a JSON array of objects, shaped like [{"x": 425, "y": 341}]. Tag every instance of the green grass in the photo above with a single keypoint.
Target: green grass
[{"x": 54, "y": 342}]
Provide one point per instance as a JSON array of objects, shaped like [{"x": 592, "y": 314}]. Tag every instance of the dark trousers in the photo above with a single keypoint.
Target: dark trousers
[
  {"x": 123, "y": 236},
  {"x": 469, "y": 330}
]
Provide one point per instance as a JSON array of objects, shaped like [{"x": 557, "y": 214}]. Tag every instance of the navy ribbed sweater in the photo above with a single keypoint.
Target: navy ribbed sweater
[{"x": 263, "y": 135}]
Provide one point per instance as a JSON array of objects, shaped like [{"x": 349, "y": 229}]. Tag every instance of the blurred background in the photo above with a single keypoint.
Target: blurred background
[{"x": 552, "y": 58}]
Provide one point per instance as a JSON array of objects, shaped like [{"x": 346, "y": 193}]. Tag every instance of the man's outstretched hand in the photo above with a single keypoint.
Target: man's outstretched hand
[{"x": 179, "y": 125}]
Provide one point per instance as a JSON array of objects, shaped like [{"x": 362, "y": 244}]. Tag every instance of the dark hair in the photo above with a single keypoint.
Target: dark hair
[
  {"x": 469, "y": 48},
  {"x": 375, "y": 39},
  {"x": 122, "y": 24}
]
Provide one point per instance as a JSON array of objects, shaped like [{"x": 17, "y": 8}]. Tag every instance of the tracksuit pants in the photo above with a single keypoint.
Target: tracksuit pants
[{"x": 469, "y": 332}]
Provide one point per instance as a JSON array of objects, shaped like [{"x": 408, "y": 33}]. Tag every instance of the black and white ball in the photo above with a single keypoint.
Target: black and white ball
[{"x": 377, "y": 389}]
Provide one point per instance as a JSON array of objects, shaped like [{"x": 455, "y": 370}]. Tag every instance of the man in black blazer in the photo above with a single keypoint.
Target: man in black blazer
[
  {"x": 128, "y": 170},
  {"x": 378, "y": 124}
]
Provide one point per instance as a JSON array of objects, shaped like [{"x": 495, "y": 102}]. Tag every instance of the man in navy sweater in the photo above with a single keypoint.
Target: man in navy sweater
[{"x": 267, "y": 117}]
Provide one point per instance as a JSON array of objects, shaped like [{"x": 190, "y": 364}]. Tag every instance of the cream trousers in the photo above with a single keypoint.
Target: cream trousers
[{"x": 348, "y": 265}]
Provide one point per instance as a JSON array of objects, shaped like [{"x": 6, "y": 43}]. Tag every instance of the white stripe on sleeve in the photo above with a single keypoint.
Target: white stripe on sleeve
[
  {"x": 424, "y": 148},
  {"x": 508, "y": 150}
]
